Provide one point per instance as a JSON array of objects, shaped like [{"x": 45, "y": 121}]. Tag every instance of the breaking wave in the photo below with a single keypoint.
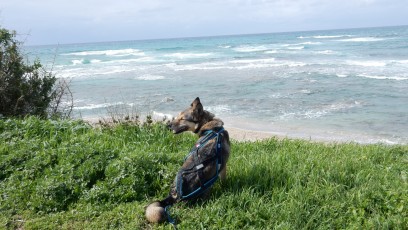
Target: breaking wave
[
  {"x": 150, "y": 77},
  {"x": 188, "y": 55},
  {"x": 321, "y": 111},
  {"x": 248, "y": 49},
  {"x": 117, "y": 53},
  {"x": 362, "y": 39},
  {"x": 368, "y": 63},
  {"x": 326, "y": 36},
  {"x": 382, "y": 77}
]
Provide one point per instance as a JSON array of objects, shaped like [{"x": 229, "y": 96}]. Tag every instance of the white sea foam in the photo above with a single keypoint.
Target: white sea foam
[
  {"x": 332, "y": 36},
  {"x": 248, "y": 61},
  {"x": 290, "y": 48},
  {"x": 84, "y": 61},
  {"x": 368, "y": 63},
  {"x": 200, "y": 66},
  {"x": 361, "y": 39},
  {"x": 219, "y": 109},
  {"x": 321, "y": 111},
  {"x": 402, "y": 61},
  {"x": 150, "y": 77},
  {"x": 279, "y": 95},
  {"x": 302, "y": 43},
  {"x": 94, "y": 71},
  {"x": 328, "y": 52},
  {"x": 95, "y": 61},
  {"x": 382, "y": 77},
  {"x": 77, "y": 61},
  {"x": 264, "y": 63},
  {"x": 188, "y": 55},
  {"x": 161, "y": 116},
  {"x": 124, "y": 61},
  {"x": 388, "y": 142},
  {"x": 310, "y": 43},
  {"x": 293, "y": 64},
  {"x": 305, "y": 91},
  {"x": 236, "y": 65},
  {"x": 296, "y": 47},
  {"x": 248, "y": 49},
  {"x": 118, "y": 53},
  {"x": 97, "y": 106},
  {"x": 271, "y": 52},
  {"x": 326, "y": 36}
]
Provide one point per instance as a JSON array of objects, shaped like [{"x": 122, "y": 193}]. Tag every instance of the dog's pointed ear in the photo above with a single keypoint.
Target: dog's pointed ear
[
  {"x": 195, "y": 102},
  {"x": 197, "y": 108}
]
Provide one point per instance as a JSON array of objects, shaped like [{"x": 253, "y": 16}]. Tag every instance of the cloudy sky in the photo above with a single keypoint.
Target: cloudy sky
[{"x": 76, "y": 21}]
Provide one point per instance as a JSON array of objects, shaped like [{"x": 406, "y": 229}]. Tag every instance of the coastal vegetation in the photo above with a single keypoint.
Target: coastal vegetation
[
  {"x": 66, "y": 174},
  {"x": 28, "y": 89}
]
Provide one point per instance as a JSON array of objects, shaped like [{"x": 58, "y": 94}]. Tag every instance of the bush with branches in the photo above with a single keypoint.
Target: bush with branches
[{"x": 26, "y": 89}]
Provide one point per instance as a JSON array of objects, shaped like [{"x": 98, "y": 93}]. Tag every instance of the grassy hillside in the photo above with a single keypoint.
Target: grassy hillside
[{"x": 69, "y": 175}]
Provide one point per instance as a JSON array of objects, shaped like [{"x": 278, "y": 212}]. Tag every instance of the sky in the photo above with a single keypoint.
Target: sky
[{"x": 41, "y": 22}]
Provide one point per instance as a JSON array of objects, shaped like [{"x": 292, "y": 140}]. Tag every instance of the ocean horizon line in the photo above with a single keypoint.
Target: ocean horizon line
[{"x": 211, "y": 36}]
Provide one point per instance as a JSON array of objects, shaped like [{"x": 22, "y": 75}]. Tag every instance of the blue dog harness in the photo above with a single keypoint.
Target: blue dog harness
[{"x": 198, "y": 167}]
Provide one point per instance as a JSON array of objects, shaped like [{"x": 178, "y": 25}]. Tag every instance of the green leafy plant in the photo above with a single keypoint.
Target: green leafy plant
[{"x": 27, "y": 89}]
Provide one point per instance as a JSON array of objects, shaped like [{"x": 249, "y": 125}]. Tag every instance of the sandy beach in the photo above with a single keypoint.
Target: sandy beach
[{"x": 248, "y": 135}]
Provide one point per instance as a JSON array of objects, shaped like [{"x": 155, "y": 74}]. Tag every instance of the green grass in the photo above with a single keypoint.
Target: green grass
[{"x": 69, "y": 175}]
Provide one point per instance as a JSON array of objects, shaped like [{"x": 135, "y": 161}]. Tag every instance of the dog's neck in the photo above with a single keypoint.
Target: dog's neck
[{"x": 213, "y": 124}]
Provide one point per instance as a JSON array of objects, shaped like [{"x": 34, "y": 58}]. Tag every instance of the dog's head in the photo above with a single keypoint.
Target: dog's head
[{"x": 191, "y": 119}]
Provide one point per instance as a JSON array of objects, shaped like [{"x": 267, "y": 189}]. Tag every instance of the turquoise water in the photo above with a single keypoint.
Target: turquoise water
[{"x": 344, "y": 85}]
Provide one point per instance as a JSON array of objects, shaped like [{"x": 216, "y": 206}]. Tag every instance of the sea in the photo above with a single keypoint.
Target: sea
[{"x": 348, "y": 85}]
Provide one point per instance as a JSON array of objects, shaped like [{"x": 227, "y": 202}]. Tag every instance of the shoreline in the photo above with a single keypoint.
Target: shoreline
[
  {"x": 244, "y": 133},
  {"x": 238, "y": 134},
  {"x": 248, "y": 135}
]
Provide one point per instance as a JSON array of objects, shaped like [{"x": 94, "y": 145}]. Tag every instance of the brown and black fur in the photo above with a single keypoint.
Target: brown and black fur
[{"x": 197, "y": 120}]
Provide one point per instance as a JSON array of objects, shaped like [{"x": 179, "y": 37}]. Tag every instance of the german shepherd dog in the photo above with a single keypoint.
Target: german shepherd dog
[{"x": 202, "y": 166}]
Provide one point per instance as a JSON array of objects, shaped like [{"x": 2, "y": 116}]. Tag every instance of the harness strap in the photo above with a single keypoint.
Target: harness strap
[{"x": 169, "y": 219}]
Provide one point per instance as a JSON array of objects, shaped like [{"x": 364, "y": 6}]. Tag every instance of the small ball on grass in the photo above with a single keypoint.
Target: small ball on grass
[{"x": 155, "y": 213}]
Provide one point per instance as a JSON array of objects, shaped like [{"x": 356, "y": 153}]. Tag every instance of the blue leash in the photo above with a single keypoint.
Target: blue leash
[{"x": 169, "y": 219}]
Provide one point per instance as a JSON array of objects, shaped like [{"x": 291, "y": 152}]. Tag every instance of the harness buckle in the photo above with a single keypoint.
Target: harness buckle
[{"x": 200, "y": 166}]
